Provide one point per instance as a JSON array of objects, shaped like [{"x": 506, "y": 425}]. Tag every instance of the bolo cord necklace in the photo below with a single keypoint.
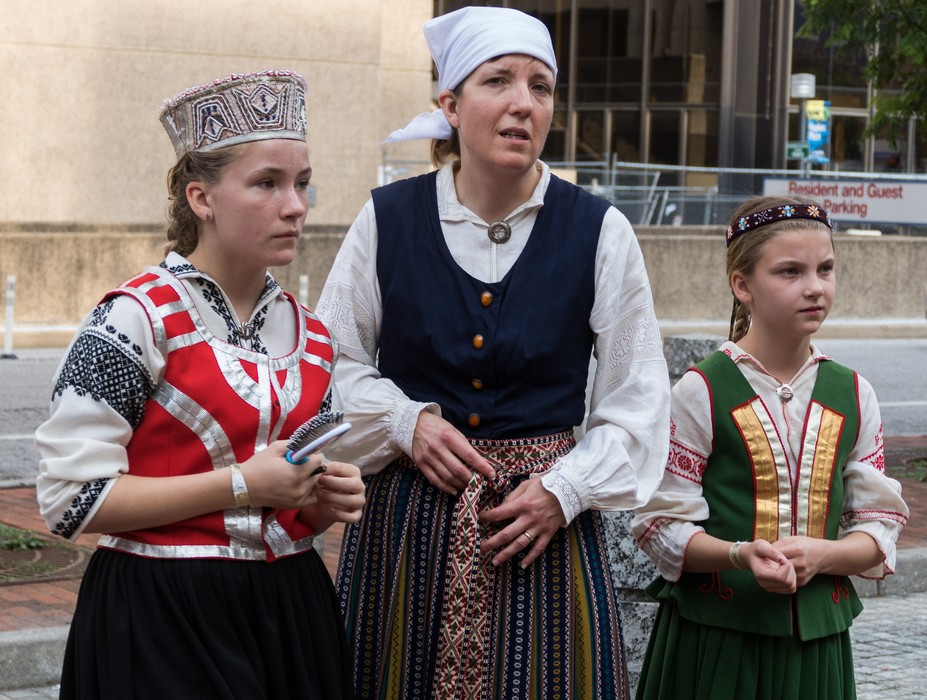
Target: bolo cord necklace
[{"x": 784, "y": 392}]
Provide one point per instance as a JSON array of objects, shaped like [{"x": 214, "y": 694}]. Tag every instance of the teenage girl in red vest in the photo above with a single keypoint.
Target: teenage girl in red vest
[
  {"x": 775, "y": 490},
  {"x": 168, "y": 429}
]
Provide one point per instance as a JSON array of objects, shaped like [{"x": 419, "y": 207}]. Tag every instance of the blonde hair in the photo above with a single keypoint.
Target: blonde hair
[
  {"x": 445, "y": 150},
  {"x": 182, "y": 224},
  {"x": 745, "y": 250}
]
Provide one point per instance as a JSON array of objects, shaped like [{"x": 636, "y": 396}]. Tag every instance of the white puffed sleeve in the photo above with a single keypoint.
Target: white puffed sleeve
[
  {"x": 100, "y": 391},
  {"x": 664, "y": 525},
  {"x": 382, "y": 416},
  {"x": 872, "y": 501},
  {"x": 619, "y": 461}
]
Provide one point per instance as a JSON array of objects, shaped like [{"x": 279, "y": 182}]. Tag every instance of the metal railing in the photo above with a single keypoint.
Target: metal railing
[{"x": 673, "y": 195}]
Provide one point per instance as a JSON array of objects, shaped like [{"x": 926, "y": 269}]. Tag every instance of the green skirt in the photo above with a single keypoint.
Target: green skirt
[{"x": 689, "y": 660}]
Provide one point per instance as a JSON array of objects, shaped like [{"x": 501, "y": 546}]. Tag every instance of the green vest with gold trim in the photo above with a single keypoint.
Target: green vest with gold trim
[{"x": 751, "y": 495}]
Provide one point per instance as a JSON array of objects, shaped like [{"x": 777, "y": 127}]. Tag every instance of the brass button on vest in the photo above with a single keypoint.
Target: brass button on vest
[
  {"x": 477, "y": 384},
  {"x": 486, "y": 298},
  {"x": 473, "y": 420},
  {"x": 478, "y": 341}
]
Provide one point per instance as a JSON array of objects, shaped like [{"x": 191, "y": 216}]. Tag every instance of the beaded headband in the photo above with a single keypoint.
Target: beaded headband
[
  {"x": 780, "y": 212},
  {"x": 239, "y": 108}
]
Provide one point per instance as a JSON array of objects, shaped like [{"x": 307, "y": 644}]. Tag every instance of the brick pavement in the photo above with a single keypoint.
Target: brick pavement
[{"x": 50, "y": 604}]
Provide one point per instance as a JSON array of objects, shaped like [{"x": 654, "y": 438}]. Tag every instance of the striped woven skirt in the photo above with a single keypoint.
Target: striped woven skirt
[{"x": 428, "y": 616}]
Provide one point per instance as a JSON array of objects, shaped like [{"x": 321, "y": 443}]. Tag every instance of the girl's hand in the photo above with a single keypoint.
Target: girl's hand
[
  {"x": 444, "y": 456},
  {"x": 339, "y": 498},
  {"x": 771, "y": 568},
  {"x": 274, "y": 482},
  {"x": 536, "y": 515},
  {"x": 806, "y": 555},
  {"x": 340, "y": 493}
]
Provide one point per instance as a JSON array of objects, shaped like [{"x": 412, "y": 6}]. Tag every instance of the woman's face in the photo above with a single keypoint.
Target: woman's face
[
  {"x": 259, "y": 205},
  {"x": 502, "y": 113}
]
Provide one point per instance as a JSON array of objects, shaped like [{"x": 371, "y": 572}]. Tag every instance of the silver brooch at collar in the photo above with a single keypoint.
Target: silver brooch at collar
[{"x": 499, "y": 232}]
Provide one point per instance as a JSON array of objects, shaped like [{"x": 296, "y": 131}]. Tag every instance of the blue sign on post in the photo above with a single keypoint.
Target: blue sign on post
[{"x": 817, "y": 113}]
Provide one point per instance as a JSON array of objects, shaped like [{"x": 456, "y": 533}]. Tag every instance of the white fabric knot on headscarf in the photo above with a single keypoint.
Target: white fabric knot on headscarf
[{"x": 463, "y": 40}]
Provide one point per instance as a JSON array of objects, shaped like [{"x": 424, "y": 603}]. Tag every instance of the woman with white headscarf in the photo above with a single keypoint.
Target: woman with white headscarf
[{"x": 466, "y": 303}]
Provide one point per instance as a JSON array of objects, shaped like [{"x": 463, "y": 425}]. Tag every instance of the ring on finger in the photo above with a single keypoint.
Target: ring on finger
[{"x": 529, "y": 536}]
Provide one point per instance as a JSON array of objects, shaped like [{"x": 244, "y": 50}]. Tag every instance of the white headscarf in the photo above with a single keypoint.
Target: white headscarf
[{"x": 461, "y": 41}]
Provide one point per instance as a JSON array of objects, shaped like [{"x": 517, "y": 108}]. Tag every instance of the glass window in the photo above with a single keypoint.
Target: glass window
[
  {"x": 626, "y": 135},
  {"x": 664, "y": 138},
  {"x": 556, "y": 146},
  {"x": 590, "y": 135},
  {"x": 601, "y": 47},
  {"x": 702, "y": 138},
  {"x": 686, "y": 51},
  {"x": 888, "y": 157},
  {"x": 838, "y": 73}
]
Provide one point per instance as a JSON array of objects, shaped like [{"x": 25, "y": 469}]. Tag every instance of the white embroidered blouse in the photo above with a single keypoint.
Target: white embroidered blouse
[
  {"x": 619, "y": 461},
  {"x": 872, "y": 501}
]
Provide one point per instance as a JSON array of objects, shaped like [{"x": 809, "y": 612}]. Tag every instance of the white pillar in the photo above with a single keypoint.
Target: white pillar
[{"x": 10, "y": 302}]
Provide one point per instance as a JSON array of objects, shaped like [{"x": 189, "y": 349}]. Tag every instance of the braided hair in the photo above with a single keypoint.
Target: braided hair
[{"x": 193, "y": 166}]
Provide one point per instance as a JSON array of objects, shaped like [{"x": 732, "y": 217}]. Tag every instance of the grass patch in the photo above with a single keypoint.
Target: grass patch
[
  {"x": 913, "y": 469},
  {"x": 26, "y": 570},
  {"x": 16, "y": 540}
]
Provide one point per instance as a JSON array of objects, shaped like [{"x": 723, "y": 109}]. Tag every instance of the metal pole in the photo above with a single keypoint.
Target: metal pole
[
  {"x": 8, "y": 332},
  {"x": 803, "y": 106}
]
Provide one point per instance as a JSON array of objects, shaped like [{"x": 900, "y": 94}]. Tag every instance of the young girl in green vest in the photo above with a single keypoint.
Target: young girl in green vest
[{"x": 775, "y": 490}]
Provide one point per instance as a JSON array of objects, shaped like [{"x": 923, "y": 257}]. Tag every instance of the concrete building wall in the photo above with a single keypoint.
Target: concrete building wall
[
  {"x": 84, "y": 80},
  {"x": 881, "y": 289},
  {"x": 83, "y": 157}
]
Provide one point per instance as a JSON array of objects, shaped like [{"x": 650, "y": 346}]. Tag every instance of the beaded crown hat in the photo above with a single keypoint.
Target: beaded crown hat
[{"x": 236, "y": 109}]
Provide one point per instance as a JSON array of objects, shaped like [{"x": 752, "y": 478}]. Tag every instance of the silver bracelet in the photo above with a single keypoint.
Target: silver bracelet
[
  {"x": 734, "y": 555},
  {"x": 239, "y": 487}
]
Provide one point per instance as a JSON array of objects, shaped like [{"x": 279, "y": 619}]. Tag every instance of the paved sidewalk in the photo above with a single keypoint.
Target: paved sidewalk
[
  {"x": 889, "y": 664},
  {"x": 890, "y": 637}
]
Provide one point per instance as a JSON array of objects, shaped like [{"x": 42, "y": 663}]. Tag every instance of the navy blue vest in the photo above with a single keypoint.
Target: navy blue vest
[{"x": 503, "y": 360}]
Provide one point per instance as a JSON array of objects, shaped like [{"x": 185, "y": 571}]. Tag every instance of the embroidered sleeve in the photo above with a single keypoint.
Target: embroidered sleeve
[
  {"x": 872, "y": 501},
  {"x": 566, "y": 493},
  {"x": 104, "y": 364},
  {"x": 876, "y": 458},
  {"x": 98, "y": 399},
  {"x": 664, "y": 525},
  {"x": 686, "y": 463},
  {"x": 72, "y": 518}
]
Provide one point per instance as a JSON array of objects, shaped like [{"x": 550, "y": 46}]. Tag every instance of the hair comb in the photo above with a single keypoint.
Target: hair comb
[{"x": 314, "y": 434}]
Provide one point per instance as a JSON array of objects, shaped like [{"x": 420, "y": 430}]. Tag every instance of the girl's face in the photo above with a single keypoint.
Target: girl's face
[
  {"x": 259, "y": 205},
  {"x": 502, "y": 112},
  {"x": 791, "y": 289}
]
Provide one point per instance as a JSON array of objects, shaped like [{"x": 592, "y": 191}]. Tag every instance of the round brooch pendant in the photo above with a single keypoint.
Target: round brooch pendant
[
  {"x": 784, "y": 392},
  {"x": 499, "y": 232}
]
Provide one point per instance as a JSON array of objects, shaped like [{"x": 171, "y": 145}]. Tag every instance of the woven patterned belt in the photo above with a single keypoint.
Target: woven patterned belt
[{"x": 465, "y": 613}]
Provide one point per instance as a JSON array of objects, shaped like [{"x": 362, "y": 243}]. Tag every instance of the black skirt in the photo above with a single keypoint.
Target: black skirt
[{"x": 205, "y": 628}]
